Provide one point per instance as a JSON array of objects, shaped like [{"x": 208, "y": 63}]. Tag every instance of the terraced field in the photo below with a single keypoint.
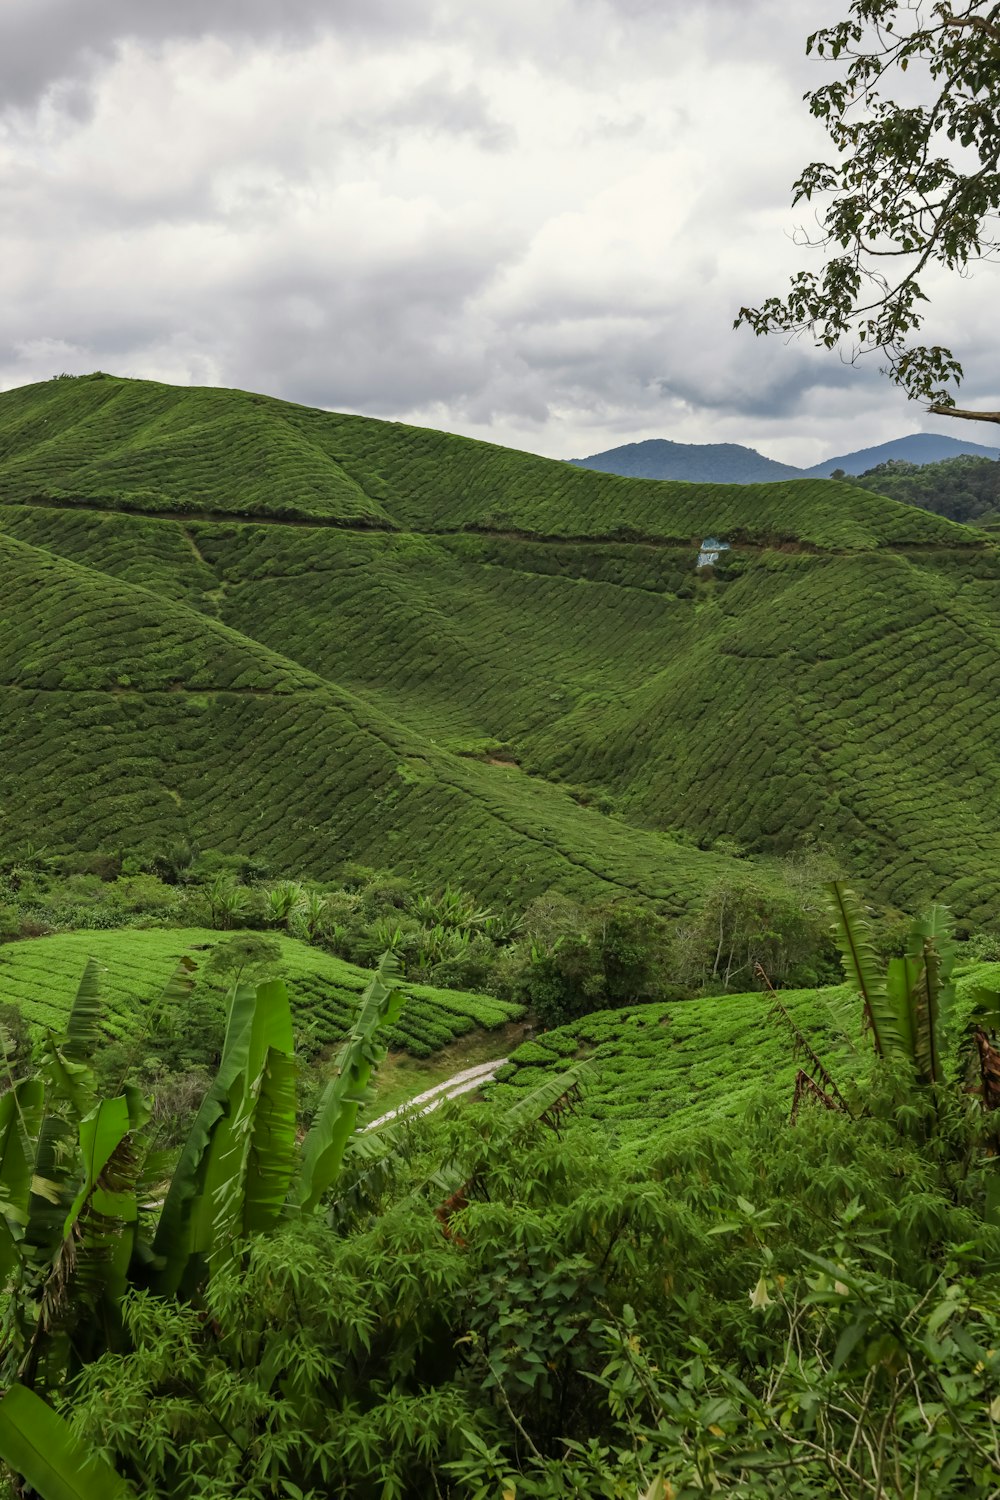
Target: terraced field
[
  {"x": 321, "y": 638},
  {"x": 40, "y": 977},
  {"x": 690, "y": 1063}
]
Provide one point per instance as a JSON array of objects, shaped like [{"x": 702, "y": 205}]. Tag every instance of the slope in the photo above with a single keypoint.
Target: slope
[
  {"x": 693, "y": 1064},
  {"x": 428, "y": 653}
]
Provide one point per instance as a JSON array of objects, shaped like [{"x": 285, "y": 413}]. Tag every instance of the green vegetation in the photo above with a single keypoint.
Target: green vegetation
[
  {"x": 524, "y": 1304},
  {"x": 40, "y": 977},
  {"x": 963, "y": 489},
  {"x": 476, "y": 666},
  {"x": 295, "y": 690}
]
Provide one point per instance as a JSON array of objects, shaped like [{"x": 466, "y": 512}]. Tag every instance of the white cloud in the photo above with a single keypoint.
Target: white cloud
[{"x": 532, "y": 223}]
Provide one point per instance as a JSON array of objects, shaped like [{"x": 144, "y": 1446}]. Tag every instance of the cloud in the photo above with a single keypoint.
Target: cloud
[
  {"x": 532, "y": 223},
  {"x": 46, "y": 42}
]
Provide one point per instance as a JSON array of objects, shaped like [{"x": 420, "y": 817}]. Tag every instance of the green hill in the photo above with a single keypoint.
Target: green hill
[
  {"x": 699, "y": 1062},
  {"x": 41, "y": 978},
  {"x": 322, "y": 638}
]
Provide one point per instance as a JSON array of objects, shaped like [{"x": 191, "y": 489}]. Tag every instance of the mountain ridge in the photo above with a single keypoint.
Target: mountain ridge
[{"x": 720, "y": 463}]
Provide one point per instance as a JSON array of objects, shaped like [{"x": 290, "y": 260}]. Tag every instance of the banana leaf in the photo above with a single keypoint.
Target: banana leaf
[
  {"x": 40, "y": 1446},
  {"x": 903, "y": 975},
  {"x": 82, "y": 1035},
  {"x": 324, "y": 1146},
  {"x": 173, "y": 1242},
  {"x": 252, "y": 1155},
  {"x": 15, "y": 1171},
  {"x": 101, "y": 1133},
  {"x": 853, "y": 935},
  {"x": 934, "y": 995}
]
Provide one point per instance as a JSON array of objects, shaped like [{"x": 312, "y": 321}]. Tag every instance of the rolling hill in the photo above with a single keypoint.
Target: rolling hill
[{"x": 324, "y": 638}]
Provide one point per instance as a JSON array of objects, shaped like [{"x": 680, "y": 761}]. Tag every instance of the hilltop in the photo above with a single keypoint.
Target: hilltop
[
  {"x": 731, "y": 463},
  {"x": 700, "y": 463},
  {"x": 323, "y": 638}
]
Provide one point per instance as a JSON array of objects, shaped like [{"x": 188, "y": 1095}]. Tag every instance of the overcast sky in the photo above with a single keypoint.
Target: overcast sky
[{"x": 531, "y": 221}]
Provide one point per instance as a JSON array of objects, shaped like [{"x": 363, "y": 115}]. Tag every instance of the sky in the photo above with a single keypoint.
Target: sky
[{"x": 529, "y": 221}]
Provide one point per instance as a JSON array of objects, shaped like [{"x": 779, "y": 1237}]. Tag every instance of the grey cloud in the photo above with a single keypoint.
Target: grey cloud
[
  {"x": 438, "y": 105},
  {"x": 49, "y": 42}
]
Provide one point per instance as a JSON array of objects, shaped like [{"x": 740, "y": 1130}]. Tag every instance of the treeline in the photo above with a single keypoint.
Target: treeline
[
  {"x": 559, "y": 957},
  {"x": 963, "y": 489}
]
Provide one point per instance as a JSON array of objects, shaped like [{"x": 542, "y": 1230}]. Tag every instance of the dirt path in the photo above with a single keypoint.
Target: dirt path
[{"x": 452, "y": 1088}]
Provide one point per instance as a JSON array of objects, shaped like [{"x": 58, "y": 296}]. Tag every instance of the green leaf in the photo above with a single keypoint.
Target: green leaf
[
  {"x": 174, "y": 1242},
  {"x": 253, "y": 1154},
  {"x": 849, "y": 1340},
  {"x": 324, "y": 1146},
  {"x": 82, "y": 1033},
  {"x": 41, "y": 1447},
  {"x": 853, "y": 935},
  {"x": 101, "y": 1133}
]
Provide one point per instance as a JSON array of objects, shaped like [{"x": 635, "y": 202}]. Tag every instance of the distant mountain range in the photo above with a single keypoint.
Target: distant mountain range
[{"x": 731, "y": 463}]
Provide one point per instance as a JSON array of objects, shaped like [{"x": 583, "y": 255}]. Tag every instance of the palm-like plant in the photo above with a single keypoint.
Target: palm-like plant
[
  {"x": 76, "y": 1170},
  {"x": 283, "y": 901},
  {"x": 73, "y": 1169},
  {"x": 910, "y": 1005}
]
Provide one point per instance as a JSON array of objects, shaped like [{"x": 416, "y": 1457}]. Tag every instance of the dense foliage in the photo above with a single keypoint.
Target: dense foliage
[
  {"x": 963, "y": 489},
  {"x": 534, "y": 1307}
]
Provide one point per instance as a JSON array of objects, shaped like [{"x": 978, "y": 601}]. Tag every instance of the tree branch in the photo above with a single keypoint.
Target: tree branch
[
  {"x": 981, "y": 23},
  {"x": 939, "y": 410}
]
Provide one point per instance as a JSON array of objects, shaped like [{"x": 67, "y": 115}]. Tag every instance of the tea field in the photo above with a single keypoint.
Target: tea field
[
  {"x": 318, "y": 638},
  {"x": 695, "y": 1061},
  {"x": 40, "y": 977}
]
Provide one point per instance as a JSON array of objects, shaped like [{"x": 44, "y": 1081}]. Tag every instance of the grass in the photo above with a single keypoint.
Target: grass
[
  {"x": 478, "y": 665},
  {"x": 40, "y": 977}
]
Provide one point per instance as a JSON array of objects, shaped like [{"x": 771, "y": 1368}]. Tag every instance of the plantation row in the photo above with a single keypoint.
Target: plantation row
[
  {"x": 134, "y": 446},
  {"x": 40, "y": 978},
  {"x": 154, "y": 554},
  {"x": 700, "y": 1063},
  {"x": 139, "y": 445},
  {"x": 314, "y": 695}
]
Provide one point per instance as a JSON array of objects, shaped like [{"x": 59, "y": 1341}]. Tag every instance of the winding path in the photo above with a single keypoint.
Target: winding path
[{"x": 459, "y": 1083}]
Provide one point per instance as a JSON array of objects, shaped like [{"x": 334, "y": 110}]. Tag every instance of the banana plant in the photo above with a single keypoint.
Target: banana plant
[
  {"x": 910, "y": 1006},
  {"x": 71, "y": 1179},
  {"x": 77, "y": 1173},
  {"x": 240, "y": 1173},
  {"x": 70, "y": 1172}
]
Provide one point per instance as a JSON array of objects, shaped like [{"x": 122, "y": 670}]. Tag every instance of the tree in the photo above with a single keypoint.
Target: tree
[{"x": 915, "y": 185}]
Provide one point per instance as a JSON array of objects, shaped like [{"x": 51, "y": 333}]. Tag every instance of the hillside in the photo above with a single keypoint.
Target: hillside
[
  {"x": 323, "y": 638},
  {"x": 41, "y": 978},
  {"x": 701, "y": 1063},
  {"x": 731, "y": 463}
]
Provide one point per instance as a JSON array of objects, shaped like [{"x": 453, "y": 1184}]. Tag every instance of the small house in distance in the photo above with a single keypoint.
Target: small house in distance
[{"x": 709, "y": 554}]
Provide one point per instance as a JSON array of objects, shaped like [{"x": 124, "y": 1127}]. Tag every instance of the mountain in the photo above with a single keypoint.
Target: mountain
[
  {"x": 918, "y": 448},
  {"x": 729, "y": 463},
  {"x": 702, "y": 463},
  {"x": 320, "y": 638}
]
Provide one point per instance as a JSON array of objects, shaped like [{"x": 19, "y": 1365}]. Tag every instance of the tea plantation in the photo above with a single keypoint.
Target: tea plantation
[
  {"x": 41, "y": 978},
  {"x": 699, "y": 1063},
  {"x": 319, "y": 638}
]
